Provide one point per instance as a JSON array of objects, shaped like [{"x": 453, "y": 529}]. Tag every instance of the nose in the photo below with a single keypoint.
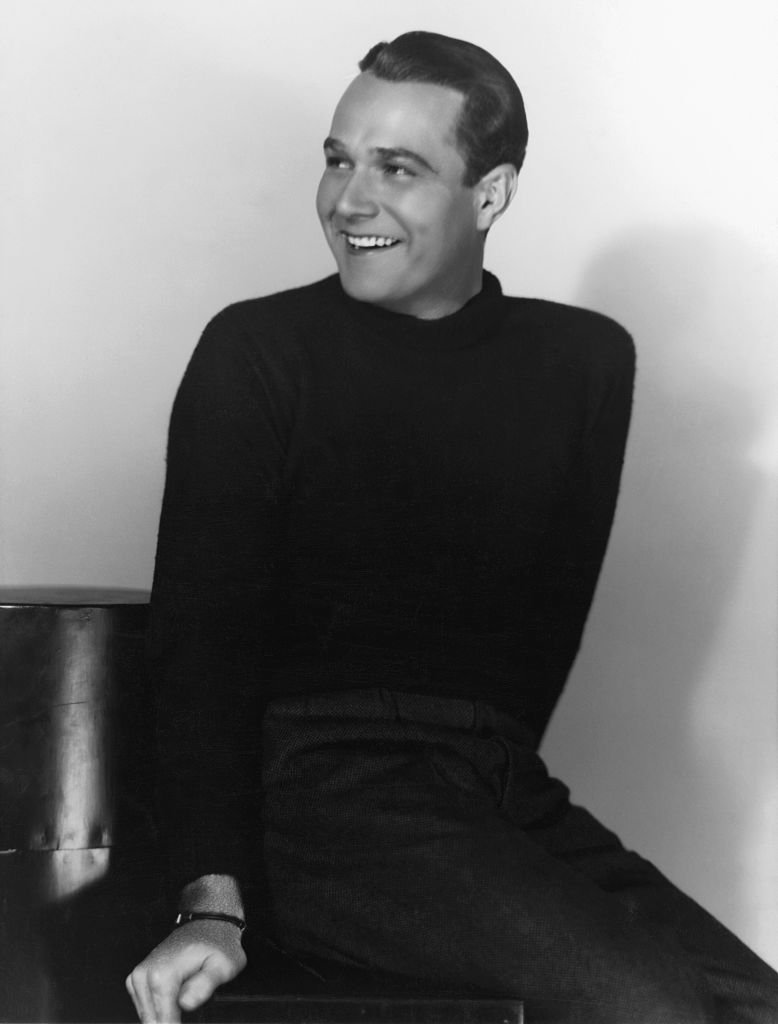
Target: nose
[{"x": 355, "y": 198}]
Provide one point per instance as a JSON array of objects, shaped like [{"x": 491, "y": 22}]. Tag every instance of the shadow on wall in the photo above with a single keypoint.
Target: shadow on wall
[{"x": 628, "y": 736}]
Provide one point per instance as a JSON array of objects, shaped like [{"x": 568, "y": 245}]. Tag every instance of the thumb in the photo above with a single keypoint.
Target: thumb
[{"x": 199, "y": 987}]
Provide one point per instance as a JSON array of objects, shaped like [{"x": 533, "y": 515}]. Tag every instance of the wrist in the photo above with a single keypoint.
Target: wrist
[
  {"x": 186, "y": 916},
  {"x": 212, "y": 894}
]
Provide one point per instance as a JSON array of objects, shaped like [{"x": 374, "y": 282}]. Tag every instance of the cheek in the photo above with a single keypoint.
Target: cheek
[
  {"x": 324, "y": 198},
  {"x": 434, "y": 224},
  {"x": 458, "y": 232}
]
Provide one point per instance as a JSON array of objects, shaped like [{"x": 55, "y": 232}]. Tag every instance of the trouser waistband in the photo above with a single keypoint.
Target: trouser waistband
[{"x": 380, "y": 703}]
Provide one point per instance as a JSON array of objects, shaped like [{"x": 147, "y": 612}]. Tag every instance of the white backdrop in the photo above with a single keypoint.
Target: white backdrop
[{"x": 159, "y": 160}]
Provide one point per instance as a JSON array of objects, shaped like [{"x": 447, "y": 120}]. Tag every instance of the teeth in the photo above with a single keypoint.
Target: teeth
[{"x": 370, "y": 241}]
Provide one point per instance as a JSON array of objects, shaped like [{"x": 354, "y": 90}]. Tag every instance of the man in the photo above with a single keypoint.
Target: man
[{"x": 387, "y": 503}]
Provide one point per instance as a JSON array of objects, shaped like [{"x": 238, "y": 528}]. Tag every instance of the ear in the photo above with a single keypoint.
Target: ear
[{"x": 494, "y": 193}]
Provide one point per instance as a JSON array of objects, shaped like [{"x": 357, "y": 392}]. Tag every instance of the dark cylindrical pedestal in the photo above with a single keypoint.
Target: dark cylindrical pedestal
[{"x": 75, "y": 744}]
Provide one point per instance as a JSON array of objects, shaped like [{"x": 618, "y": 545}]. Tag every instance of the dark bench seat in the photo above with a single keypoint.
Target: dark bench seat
[{"x": 277, "y": 988}]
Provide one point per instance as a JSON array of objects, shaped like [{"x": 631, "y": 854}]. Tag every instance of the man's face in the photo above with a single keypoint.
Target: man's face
[{"x": 399, "y": 220}]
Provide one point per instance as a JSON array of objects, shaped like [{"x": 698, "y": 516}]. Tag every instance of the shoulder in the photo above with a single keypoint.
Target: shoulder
[
  {"x": 264, "y": 338},
  {"x": 280, "y": 314},
  {"x": 572, "y": 331},
  {"x": 257, "y": 343}
]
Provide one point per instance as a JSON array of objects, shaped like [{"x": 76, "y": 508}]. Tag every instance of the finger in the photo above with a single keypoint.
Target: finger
[
  {"x": 199, "y": 988},
  {"x": 138, "y": 988},
  {"x": 164, "y": 985},
  {"x": 131, "y": 992},
  {"x": 195, "y": 992}
]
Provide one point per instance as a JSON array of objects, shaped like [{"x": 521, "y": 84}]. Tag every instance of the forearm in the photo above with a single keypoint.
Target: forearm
[
  {"x": 213, "y": 893},
  {"x": 182, "y": 972}
]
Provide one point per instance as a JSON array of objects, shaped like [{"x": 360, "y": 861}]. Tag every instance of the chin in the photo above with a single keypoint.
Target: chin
[{"x": 368, "y": 291}]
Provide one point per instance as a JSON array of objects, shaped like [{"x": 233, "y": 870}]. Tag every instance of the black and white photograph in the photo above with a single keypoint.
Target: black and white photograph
[{"x": 388, "y": 512}]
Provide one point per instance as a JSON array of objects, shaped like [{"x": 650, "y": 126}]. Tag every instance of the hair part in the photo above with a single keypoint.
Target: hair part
[{"x": 492, "y": 126}]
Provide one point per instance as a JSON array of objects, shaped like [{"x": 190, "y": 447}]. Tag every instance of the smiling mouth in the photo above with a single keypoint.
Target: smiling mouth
[{"x": 369, "y": 243}]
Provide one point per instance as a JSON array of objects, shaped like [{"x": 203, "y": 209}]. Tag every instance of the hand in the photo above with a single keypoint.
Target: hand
[{"x": 182, "y": 972}]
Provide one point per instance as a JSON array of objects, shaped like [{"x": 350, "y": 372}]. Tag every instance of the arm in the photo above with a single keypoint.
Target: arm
[
  {"x": 213, "y": 601},
  {"x": 211, "y": 623},
  {"x": 573, "y": 549},
  {"x": 183, "y": 971}
]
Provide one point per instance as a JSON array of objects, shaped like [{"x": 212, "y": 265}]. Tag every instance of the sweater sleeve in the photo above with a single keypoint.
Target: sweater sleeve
[
  {"x": 575, "y": 542},
  {"x": 213, "y": 602}
]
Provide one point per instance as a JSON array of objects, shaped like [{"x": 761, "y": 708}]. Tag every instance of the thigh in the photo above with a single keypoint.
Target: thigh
[
  {"x": 388, "y": 848},
  {"x": 741, "y": 986}
]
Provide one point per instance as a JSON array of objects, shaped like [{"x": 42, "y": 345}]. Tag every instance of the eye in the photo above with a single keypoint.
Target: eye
[
  {"x": 335, "y": 161},
  {"x": 398, "y": 171}
]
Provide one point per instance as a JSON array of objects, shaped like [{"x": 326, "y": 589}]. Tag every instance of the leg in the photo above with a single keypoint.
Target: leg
[
  {"x": 392, "y": 844},
  {"x": 743, "y": 987}
]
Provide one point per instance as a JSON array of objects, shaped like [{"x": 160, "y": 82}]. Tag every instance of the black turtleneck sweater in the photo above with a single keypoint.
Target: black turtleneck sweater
[{"x": 359, "y": 498}]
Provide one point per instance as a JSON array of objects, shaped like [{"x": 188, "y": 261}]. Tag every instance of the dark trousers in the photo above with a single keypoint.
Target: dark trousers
[{"x": 423, "y": 836}]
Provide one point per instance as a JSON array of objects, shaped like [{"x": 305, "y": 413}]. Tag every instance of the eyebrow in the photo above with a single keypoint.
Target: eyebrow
[{"x": 385, "y": 152}]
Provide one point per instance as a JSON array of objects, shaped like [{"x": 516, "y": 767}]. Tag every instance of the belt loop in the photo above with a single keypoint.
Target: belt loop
[{"x": 477, "y": 726}]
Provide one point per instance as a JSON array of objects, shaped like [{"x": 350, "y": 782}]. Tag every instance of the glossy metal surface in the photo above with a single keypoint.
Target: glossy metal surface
[
  {"x": 61, "y": 667},
  {"x": 71, "y": 699}
]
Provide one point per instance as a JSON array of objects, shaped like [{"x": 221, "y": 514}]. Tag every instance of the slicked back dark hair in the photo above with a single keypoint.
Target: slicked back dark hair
[{"x": 492, "y": 127}]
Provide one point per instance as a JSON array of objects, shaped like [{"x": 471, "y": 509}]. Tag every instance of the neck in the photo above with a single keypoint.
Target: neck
[
  {"x": 467, "y": 325},
  {"x": 452, "y": 300},
  {"x": 455, "y": 292},
  {"x": 444, "y": 306}
]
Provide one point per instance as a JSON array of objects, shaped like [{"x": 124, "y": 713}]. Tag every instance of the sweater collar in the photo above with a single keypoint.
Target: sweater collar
[{"x": 474, "y": 323}]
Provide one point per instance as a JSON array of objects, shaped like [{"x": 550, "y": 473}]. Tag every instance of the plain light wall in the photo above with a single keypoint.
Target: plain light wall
[{"x": 159, "y": 160}]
